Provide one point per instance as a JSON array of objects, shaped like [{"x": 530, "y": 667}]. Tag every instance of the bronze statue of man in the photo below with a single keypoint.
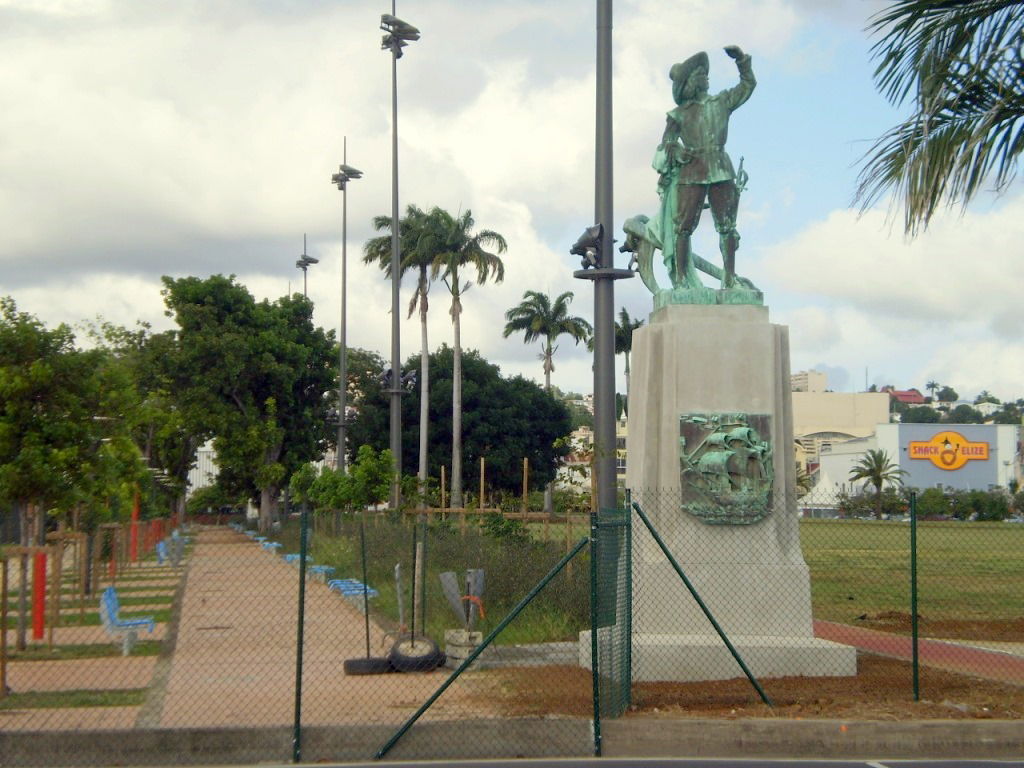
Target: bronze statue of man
[{"x": 693, "y": 163}]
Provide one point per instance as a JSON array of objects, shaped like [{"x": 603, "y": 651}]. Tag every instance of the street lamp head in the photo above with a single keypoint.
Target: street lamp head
[
  {"x": 398, "y": 28},
  {"x": 344, "y": 175},
  {"x": 305, "y": 261}
]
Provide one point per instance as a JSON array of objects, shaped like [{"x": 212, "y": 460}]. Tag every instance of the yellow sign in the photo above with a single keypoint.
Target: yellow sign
[{"x": 948, "y": 450}]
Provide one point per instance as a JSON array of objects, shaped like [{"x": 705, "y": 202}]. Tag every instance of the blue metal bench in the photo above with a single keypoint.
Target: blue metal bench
[
  {"x": 350, "y": 587},
  {"x": 322, "y": 572},
  {"x": 127, "y": 630}
]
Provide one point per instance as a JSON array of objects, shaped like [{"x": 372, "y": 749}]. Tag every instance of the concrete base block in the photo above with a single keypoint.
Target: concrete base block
[
  {"x": 690, "y": 658},
  {"x": 459, "y": 643}
]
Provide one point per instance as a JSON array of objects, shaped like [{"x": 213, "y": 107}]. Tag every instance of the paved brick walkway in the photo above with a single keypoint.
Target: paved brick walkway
[
  {"x": 942, "y": 654},
  {"x": 234, "y": 660}
]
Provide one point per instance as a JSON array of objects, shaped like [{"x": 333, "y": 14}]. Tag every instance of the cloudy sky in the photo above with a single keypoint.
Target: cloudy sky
[{"x": 193, "y": 137}]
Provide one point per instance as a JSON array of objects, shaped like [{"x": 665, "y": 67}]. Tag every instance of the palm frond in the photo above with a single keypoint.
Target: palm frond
[{"x": 960, "y": 62}]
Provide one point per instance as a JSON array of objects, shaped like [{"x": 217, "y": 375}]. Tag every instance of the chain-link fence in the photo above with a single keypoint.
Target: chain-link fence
[
  {"x": 403, "y": 636},
  {"x": 441, "y": 636},
  {"x": 838, "y": 607}
]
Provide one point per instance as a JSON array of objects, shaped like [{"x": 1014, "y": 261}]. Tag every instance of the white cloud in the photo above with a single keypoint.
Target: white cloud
[
  {"x": 955, "y": 274},
  {"x": 169, "y": 138}
]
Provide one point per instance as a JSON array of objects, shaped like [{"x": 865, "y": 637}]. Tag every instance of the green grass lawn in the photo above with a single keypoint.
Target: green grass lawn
[
  {"x": 68, "y": 652},
  {"x": 73, "y": 699},
  {"x": 966, "y": 571}
]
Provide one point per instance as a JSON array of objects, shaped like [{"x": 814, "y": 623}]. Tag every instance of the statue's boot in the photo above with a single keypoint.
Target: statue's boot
[
  {"x": 728, "y": 243},
  {"x": 682, "y": 276}
]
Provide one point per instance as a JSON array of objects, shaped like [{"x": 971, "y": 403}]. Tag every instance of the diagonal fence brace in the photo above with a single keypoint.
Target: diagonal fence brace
[
  {"x": 481, "y": 648},
  {"x": 707, "y": 612}
]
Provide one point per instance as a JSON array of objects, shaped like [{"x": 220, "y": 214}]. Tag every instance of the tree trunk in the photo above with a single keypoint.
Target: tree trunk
[
  {"x": 25, "y": 539},
  {"x": 626, "y": 372},
  {"x": 424, "y": 389},
  {"x": 179, "y": 509},
  {"x": 268, "y": 507},
  {"x": 457, "y": 501},
  {"x": 878, "y": 502},
  {"x": 549, "y": 498}
]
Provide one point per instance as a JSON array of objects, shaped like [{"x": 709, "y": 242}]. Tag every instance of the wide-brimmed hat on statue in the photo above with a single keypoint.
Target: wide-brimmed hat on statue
[{"x": 681, "y": 72}]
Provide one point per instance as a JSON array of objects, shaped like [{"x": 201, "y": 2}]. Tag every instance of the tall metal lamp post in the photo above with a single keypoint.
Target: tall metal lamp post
[
  {"x": 398, "y": 35},
  {"x": 595, "y": 248},
  {"x": 303, "y": 263},
  {"x": 341, "y": 179}
]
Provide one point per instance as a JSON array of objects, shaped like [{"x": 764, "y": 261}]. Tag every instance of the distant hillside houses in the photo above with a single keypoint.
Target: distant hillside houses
[{"x": 833, "y": 431}]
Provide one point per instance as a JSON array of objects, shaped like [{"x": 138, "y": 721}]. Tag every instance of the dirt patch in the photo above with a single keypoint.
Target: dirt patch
[
  {"x": 882, "y": 690},
  {"x": 1000, "y": 630}
]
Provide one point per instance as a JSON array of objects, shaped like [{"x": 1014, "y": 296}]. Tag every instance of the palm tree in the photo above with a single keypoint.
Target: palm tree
[
  {"x": 960, "y": 63},
  {"x": 451, "y": 239},
  {"x": 537, "y": 317},
  {"x": 877, "y": 468},
  {"x": 378, "y": 250},
  {"x": 931, "y": 386},
  {"x": 624, "y": 328}
]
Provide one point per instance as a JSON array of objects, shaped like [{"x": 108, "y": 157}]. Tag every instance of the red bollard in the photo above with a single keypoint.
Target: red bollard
[
  {"x": 134, "y": 537},
  {"x": 38, "y": 595}
]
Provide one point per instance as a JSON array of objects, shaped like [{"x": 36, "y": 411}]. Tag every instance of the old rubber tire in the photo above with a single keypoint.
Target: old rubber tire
[
  {"x": 421, "y": 656},
  {"x": 371, "y": 665}
]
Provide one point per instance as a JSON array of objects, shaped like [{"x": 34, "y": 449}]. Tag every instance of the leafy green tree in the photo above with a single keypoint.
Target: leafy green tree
[
  {"x": 932, "y": 502},
  {"x": 61, "y": 444},
  {"x": 980, "y": 505},
  {"x": 1009, "y": 413},
  {"x": 959, "y": 64},
  {"x": 301, "y": 481},
  {"x": 60, "y": 411},
  {"x": 507, "y": 420},
  {"x": 893, "y": 504},
  {"x": 877, "y": 469},
  {"x": 367, "y": 483},
  {"x": 166, "y": 427},
  {"x": 964, "y": 414},
  {"x": 986, "y": 397},
  {"x": 260, "y": 371},
  {"x": 920, "y": 414},
  {"x": 537, "y": 317},
  {"x": 948, "y": 395},
  {"x": 416, "y": 253},
  {"x": 580, "y": 416},
  {"x": 457, "y": 247}
]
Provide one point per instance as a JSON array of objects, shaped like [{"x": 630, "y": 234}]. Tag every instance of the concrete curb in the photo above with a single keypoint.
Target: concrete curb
[{"x": 540, "y": 737}]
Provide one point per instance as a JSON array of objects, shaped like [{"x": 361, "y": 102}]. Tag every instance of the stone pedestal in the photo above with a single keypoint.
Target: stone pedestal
[{"x": 718, "y": 376}]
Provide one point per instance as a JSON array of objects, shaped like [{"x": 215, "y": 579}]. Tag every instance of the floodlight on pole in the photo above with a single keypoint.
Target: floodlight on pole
[
  {"x": 304, "y": 263},
  {"x": 345, "y": 174},
  {"x": 398, "y": 34}
]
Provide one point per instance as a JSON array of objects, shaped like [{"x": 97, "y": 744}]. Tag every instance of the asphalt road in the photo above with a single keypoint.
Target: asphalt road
[{"x": 682, "y": 763}]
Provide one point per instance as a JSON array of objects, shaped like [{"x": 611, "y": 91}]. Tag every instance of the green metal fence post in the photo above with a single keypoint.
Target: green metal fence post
[
  {"x": 595, "y": 554},
  {"x": 366, "y": 588},
  {"x": 303, "y": 540},
  {"x": 629, "y": 597},
  {"x": 913, "y": 593}
]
